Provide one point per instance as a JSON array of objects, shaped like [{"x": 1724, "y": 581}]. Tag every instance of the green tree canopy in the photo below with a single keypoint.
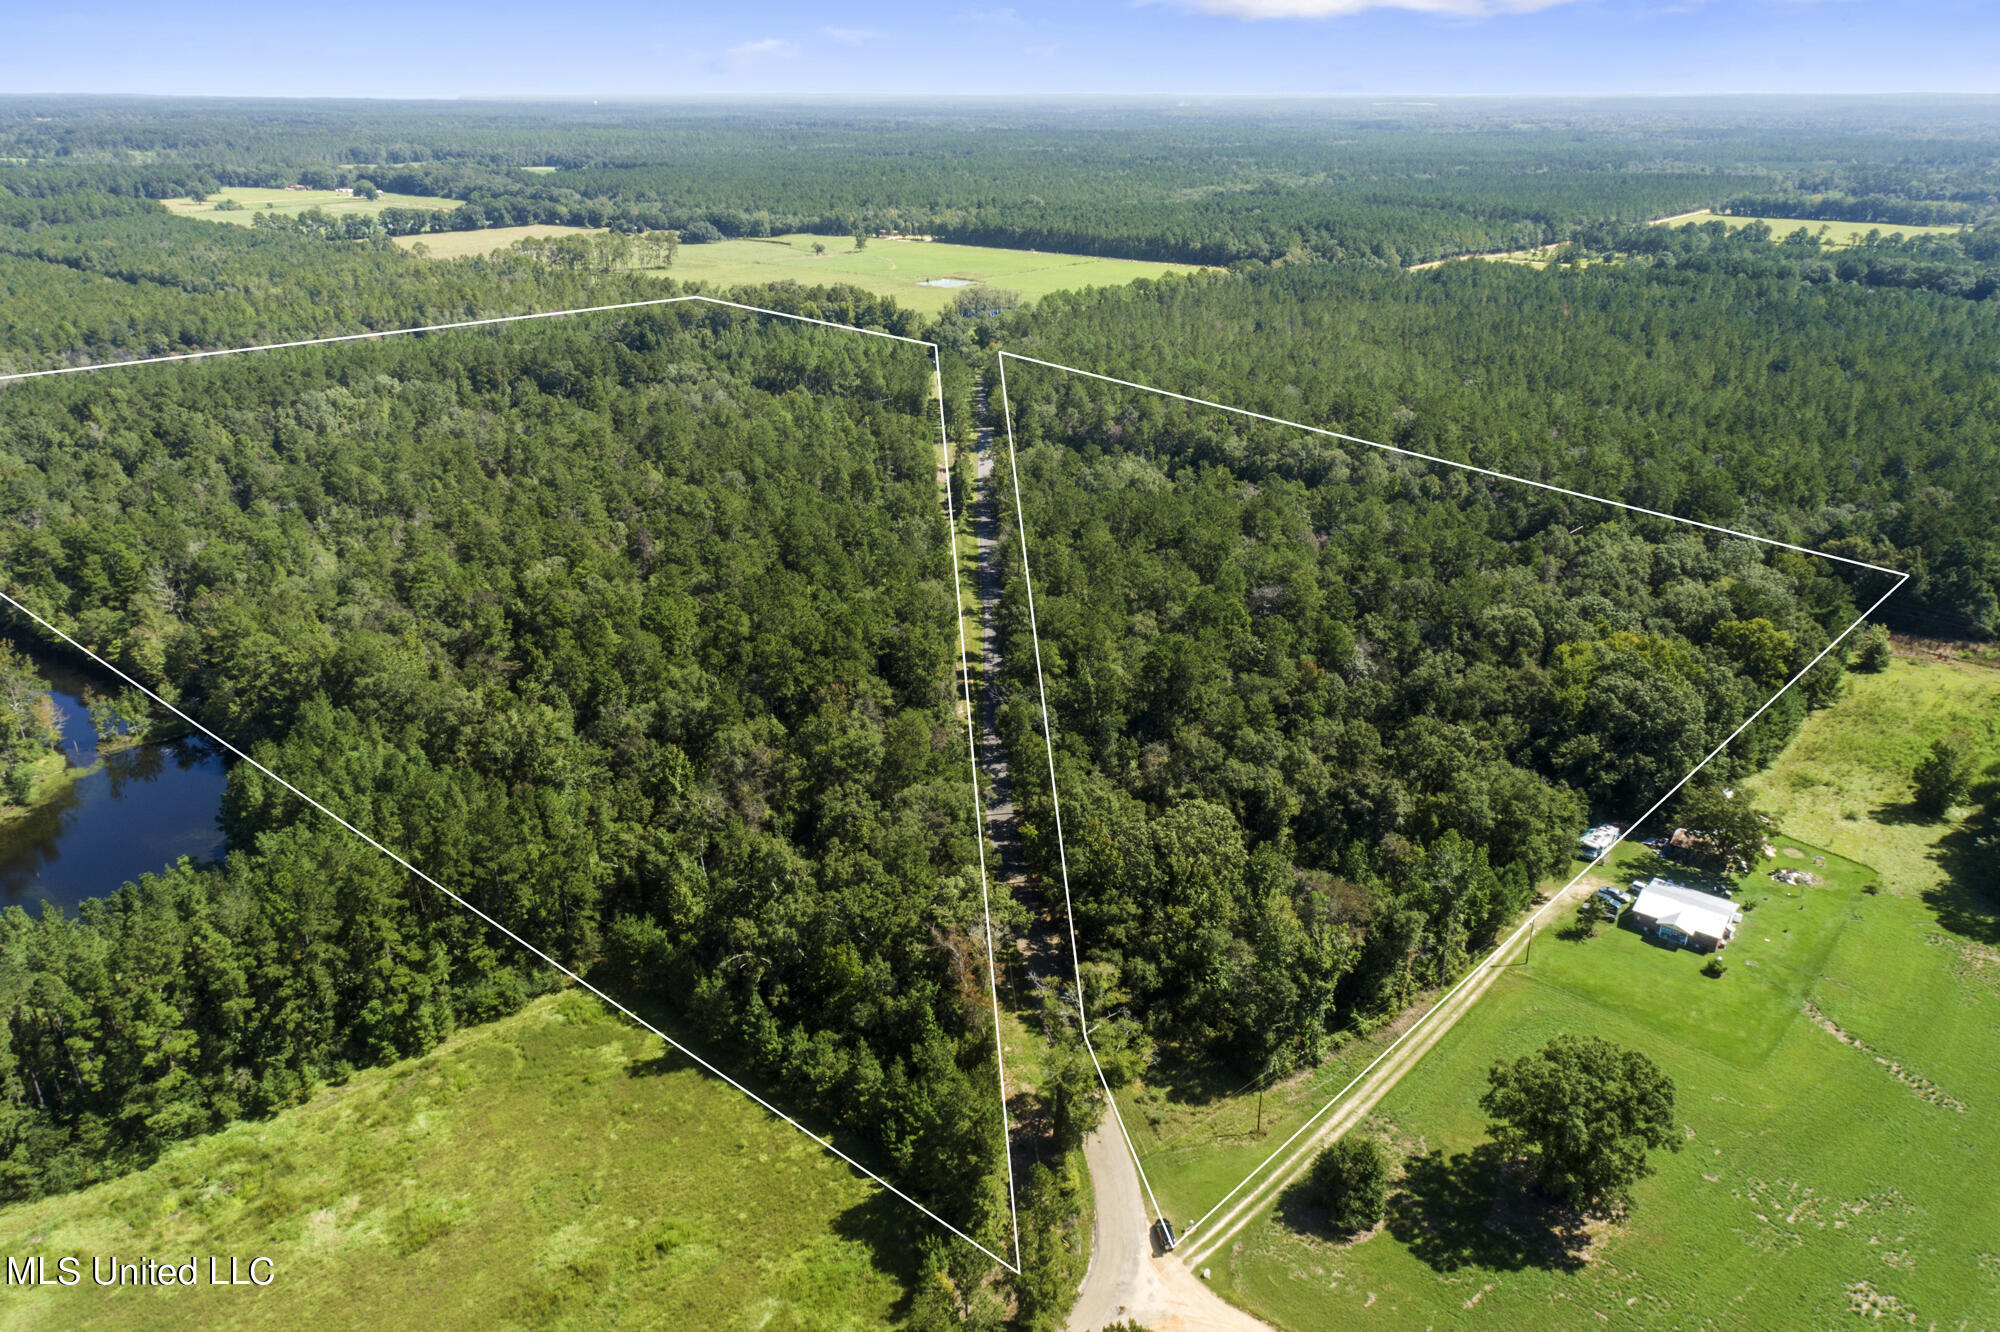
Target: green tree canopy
[{"x": 1584, "y": 1113}]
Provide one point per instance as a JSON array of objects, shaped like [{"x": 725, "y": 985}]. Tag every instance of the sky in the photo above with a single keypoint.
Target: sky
[{"x": 618, "y": 48}]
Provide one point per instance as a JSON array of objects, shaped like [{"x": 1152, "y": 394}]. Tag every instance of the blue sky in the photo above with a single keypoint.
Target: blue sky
[{"x": 615, "y": 47}]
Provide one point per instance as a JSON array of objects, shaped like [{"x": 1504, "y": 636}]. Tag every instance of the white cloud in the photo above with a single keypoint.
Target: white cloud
[
  {"x": 1295, "y": 9},
  {"x": 850, "y": 36},
  {"x": 745, "y": 54}
]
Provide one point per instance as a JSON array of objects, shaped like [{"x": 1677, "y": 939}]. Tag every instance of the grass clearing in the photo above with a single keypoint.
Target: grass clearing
[
  {"x": 547, "y": 1169},
  {"x": 1845, "y": 782},
  {"x": 898, "y": 268},
  {"x": 1831, "y": 233},
  {"x": 1199, "y": 1130},
  {"x": 1837, "y": 1086},
  {"x": 292, "y": 202}
]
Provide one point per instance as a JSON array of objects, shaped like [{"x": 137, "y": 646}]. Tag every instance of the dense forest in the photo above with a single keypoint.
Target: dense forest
[
  {"x": 28, "y": 729},
  {"x": 1324, "y": 715},
  {"x": 638, "y": 634},
  {"x": 1326, "y": 720},
  {"x": 1248, "y": 181},
  {"x": 638, "y": 630}
]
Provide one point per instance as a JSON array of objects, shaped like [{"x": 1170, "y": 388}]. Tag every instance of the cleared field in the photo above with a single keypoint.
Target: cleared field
[
  {"x": 899, "y": 268},
  {"x": 1832, "y": 233},
  {"x": 296, "y": 201},
  {"x": 548, "y": 1169},
  {"x": 1845, "y": 782},
  {"x": 1836, "y": 1085},
  {"x": 1199, "y": 1130},
  {"x": 461, "y": 244}
]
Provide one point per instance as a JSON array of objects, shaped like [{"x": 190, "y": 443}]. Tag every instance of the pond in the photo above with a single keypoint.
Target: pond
[
  {"x": 948, "y": 282},
  {"x": 135, "y": 812}
]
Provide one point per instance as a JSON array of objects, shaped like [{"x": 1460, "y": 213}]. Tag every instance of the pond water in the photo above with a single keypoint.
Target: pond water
[
  {"x": 138, "y": 812},
  {"x": 947, "y": 282}
]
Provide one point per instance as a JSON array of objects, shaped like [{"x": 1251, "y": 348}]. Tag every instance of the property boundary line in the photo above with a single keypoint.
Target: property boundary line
[
  {"x": 978, "y": 806},
  {"x": 1055, "y": 800},
  {"x": 1527, "y": 926}
]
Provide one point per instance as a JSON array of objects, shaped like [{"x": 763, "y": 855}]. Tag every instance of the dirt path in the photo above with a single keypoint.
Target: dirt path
[
  {"x": 1126, "y": 1279},
  {"x": 1203, "y": 1245}
]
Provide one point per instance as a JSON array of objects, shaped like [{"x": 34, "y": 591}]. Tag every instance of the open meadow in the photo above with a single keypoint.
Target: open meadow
[
  {"x": 547, "y": 1169},
  {"x": 1836, "y": 1087},
  {"x": 1830, "y": 233},
  {"x": 251, "y": 202},
  {"x": 900, "y": 268}
]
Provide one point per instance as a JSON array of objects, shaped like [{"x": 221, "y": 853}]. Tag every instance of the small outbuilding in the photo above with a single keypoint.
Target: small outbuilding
[{"x": 1679, "y": 915}]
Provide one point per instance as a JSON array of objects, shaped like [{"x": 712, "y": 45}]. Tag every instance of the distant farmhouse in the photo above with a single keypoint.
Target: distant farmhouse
[{"x": 1679, "y": 915}]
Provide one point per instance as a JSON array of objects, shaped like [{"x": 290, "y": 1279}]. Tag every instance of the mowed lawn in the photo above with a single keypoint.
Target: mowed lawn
[
  {"x": 1200, "y": 1130},
  {"x": 548, "y": 1169},
  {"x": 1823, "y": 1181},
  {"x": 296, "y": 201},
  {"x": 1835, "y": 233},
  {"x": 899, "y": 268}
]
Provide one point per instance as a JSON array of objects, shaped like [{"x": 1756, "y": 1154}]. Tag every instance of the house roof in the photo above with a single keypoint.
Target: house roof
[{"x": 1688, "y": 910}]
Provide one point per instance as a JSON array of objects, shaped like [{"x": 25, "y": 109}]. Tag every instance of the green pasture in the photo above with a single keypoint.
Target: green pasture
[
  {"x": 550, "y": 1170},
  {"x": 292, "y": 202},
  {"x": 898, "y": 268},
  {"x": 1824, "y": 1181},
  {"x": 1831, "y": 233},
  {"x": 1845, "y": 782},
  {"x": 1200, "y": 1129}
]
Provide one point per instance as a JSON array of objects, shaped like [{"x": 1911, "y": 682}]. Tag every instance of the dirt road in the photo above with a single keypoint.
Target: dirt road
[
  {"x": 1203, "y": 1244},
  {"x": 1126, "y": 1280}
]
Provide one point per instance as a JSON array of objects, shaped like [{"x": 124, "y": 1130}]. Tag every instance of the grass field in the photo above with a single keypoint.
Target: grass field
[
  {"x": 898, "y": 268},
  {"x": 1837, "y": 1087},
  {"x": 1200, "y": 1130},
  {"x": 1831, "y": 233},
  {"x": 548, "y": 1169},
  {"x": 460, "y": 244},
  {"x": 296, "y": 201}
]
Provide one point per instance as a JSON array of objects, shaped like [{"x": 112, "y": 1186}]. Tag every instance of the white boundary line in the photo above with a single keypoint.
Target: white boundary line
[
  {"x": 978, "y": 808},
  {"x": 1526, "y": 926},
  {"x": 1075, "y": 954}
]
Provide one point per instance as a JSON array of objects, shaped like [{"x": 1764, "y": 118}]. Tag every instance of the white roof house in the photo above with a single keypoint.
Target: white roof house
[{"x": 1674, "y": 909}]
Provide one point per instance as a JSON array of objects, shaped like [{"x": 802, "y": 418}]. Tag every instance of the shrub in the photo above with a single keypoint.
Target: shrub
[
  {"x": 1872, "y": 655},
  {"x": 1716, "y": 966},
  {"x": 1351, "y": 1180},
  {"x": 1943, "y": 776}
]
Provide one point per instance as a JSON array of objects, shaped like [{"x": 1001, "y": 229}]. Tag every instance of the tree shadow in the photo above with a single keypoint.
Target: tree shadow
[
  {"x": 894, "y": 1235},
  {"x": 1477, "y": 1209},
  {"x": 1575, "y": 931},
  {"x": 1902, "y": 813},
  {"x": 1303, "y": 1212},
  {"x": 1967, "y": 903},
  {"x": 1196, "y": 1080}
]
